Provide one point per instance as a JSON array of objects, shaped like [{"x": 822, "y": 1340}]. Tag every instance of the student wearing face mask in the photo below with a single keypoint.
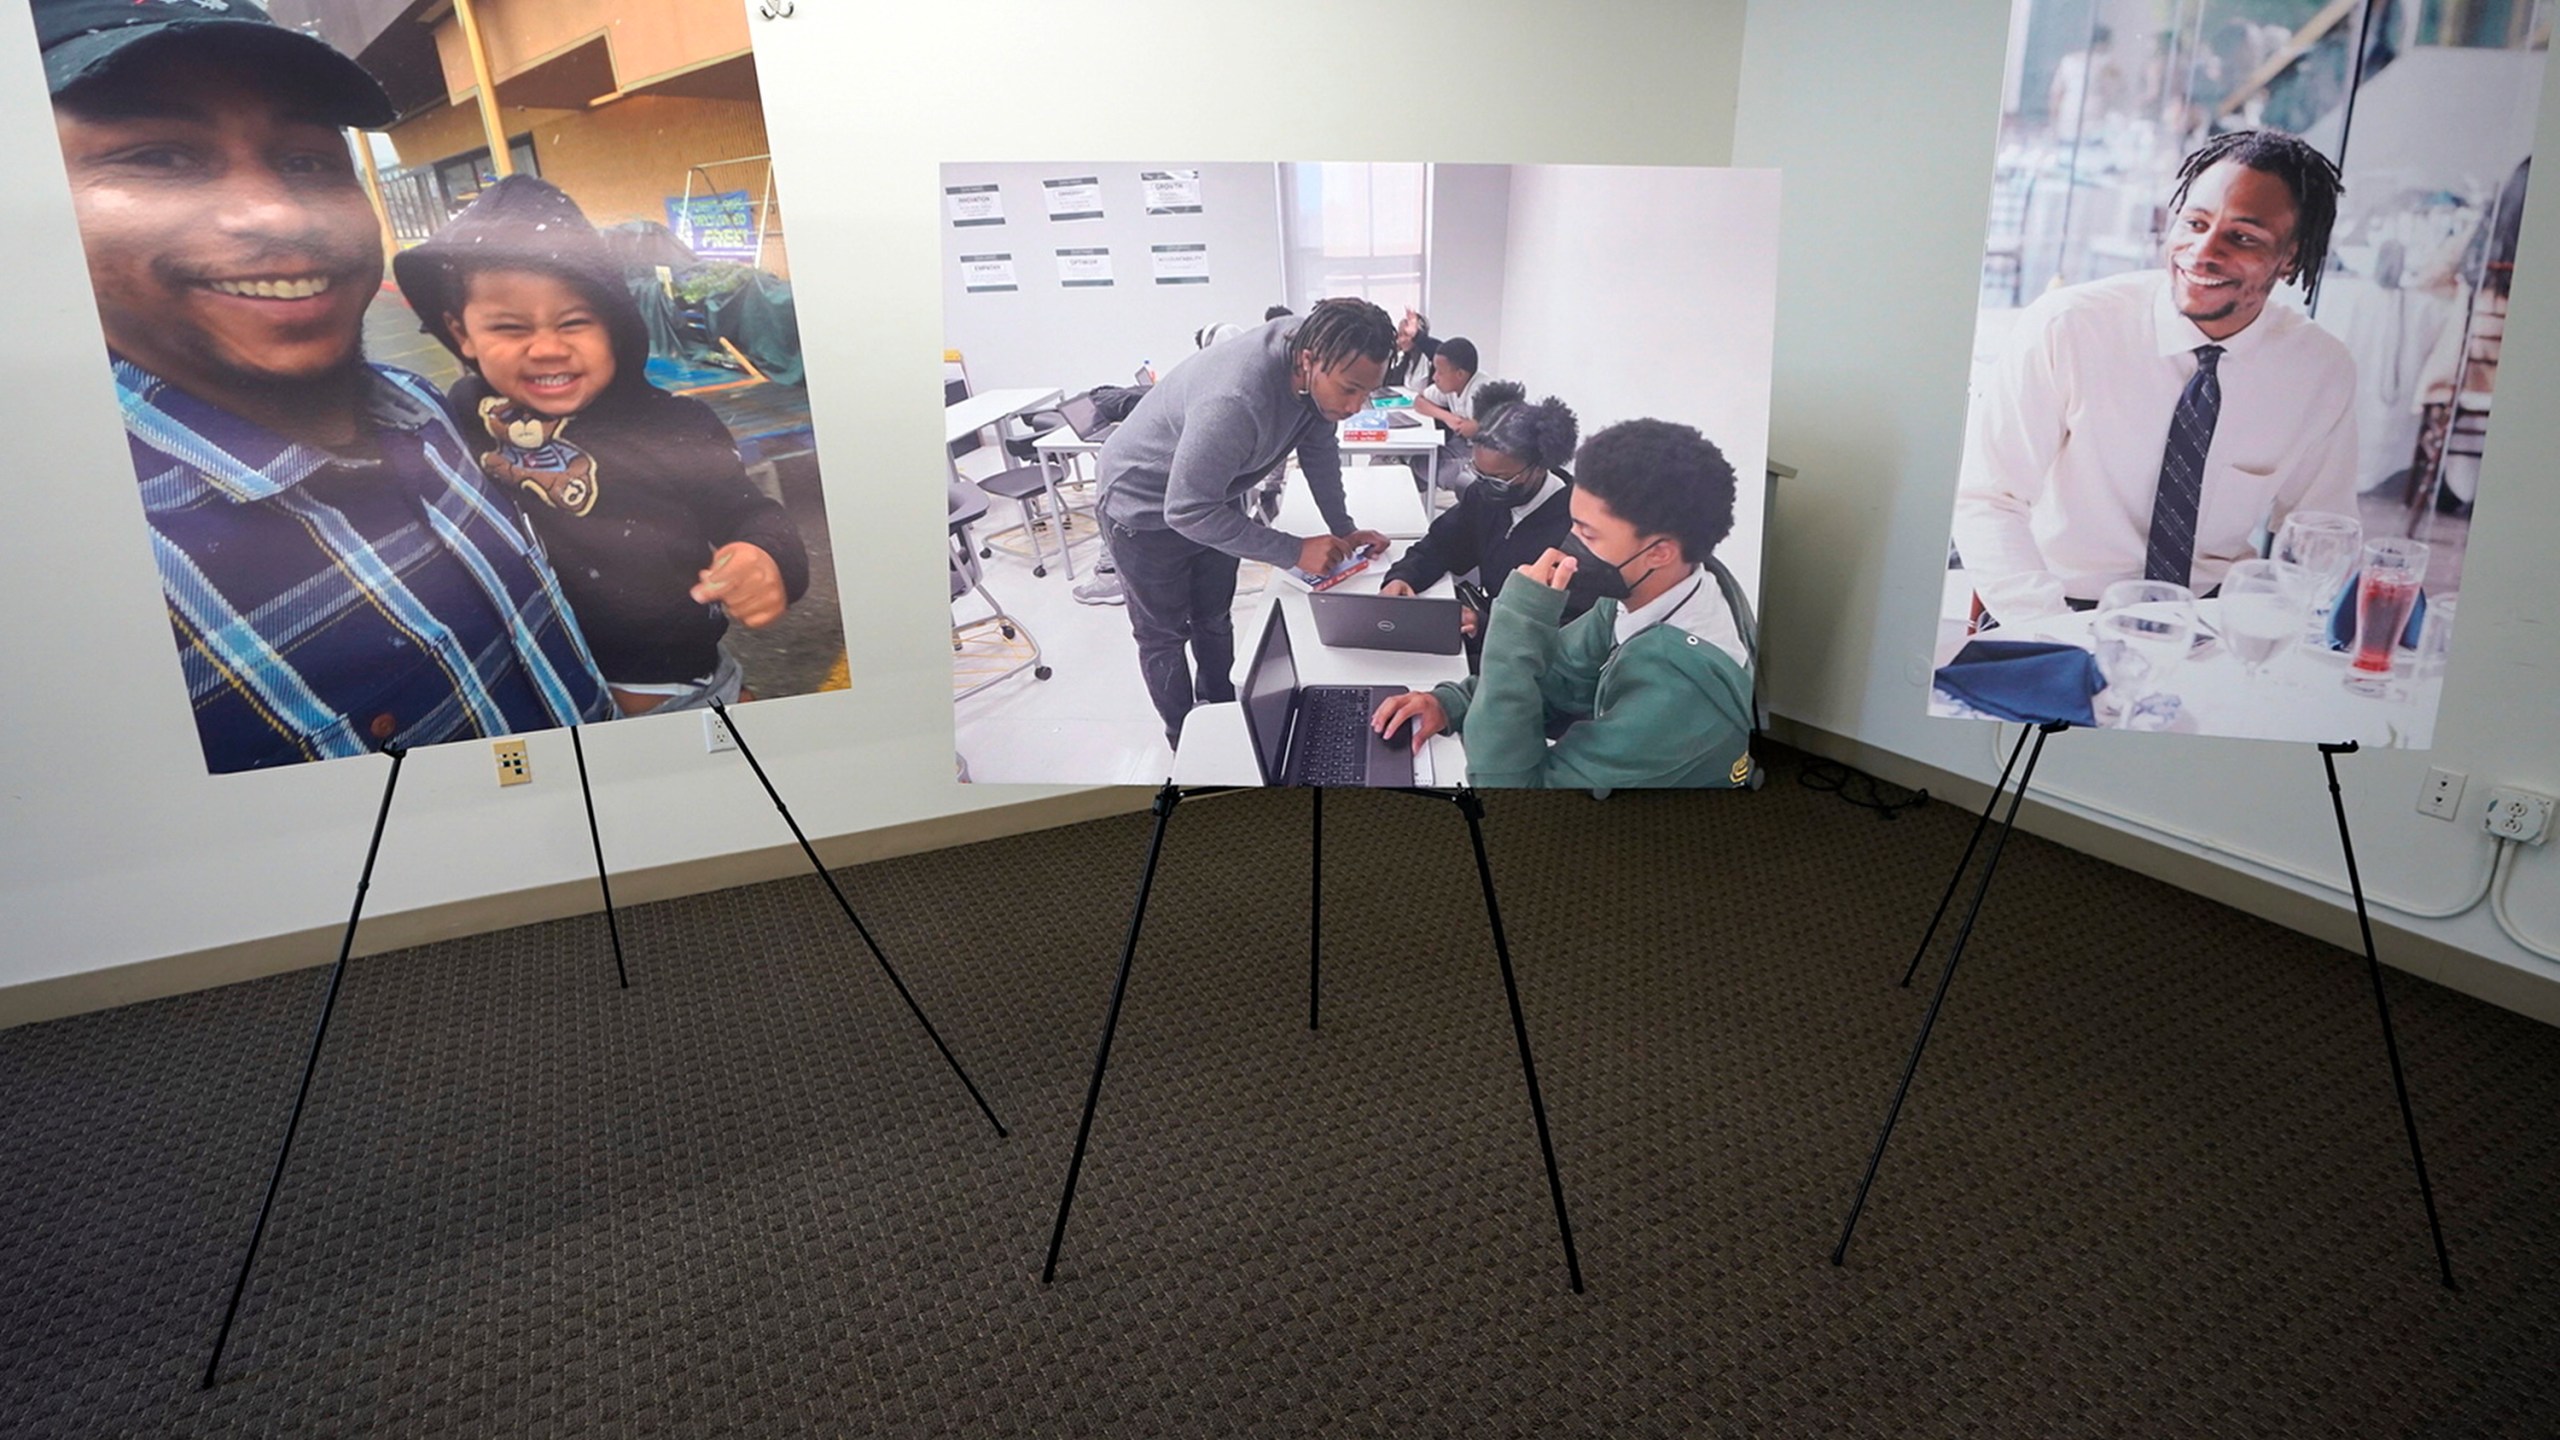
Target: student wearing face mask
[
  {"x": 1512, "y": 508},
  {"x": 1177, "y": 471},
  {"x": 1653, "y": 684}
]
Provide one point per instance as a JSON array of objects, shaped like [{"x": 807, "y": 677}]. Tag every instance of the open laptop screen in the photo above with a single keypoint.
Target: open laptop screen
[
  {"x": 1083, "y": 416},
  {"x": 1270, "y": 689}
]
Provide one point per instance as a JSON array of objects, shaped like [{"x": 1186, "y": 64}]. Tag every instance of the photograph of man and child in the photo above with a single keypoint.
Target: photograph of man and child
[
  {"x": 1601, "y": 642},
  {"x": 353, "y": 559},
  {"x": 2235, "y": 365}
]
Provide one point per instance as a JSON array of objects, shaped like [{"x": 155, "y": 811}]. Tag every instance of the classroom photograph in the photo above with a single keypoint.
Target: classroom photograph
[{"x": 1242, "y": 456}]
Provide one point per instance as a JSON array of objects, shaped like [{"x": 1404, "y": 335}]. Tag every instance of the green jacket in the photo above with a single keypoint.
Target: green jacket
[{"x": 1665, "y": 709}]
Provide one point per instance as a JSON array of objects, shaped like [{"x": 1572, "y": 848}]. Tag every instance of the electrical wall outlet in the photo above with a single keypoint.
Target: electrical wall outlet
[
  {"x": 2441, "y": 796},
  {"x": 715, "y": 734},
  {"x": 2518, "y": 815},
  {"x": 513, "y": 767}
]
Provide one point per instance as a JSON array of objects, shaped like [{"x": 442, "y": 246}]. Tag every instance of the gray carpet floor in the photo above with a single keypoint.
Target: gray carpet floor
[{"x": 2151, "y": 1180}]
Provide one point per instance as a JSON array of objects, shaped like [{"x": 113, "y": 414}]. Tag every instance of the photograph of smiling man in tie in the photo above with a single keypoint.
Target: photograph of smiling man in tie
[{"x": 2154, "y": 425}]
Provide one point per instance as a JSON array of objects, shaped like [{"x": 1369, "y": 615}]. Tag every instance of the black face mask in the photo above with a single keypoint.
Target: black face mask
[
  {"x": 1511, "y": 490},
  {"x": 1598, "y": 577}
]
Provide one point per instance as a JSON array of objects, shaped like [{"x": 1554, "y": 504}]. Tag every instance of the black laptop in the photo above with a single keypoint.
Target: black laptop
[
  {"x": 1085, "y": 418},
  {"x": 1316, "y": 734},
  {"x": 1417, "y": 624}
]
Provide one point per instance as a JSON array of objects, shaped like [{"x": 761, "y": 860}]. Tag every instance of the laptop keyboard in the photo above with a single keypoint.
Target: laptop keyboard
[{"x": 1333, "y": 737}]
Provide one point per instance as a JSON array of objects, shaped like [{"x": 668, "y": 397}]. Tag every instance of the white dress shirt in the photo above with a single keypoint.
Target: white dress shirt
[
  {"x": 1462, "y": 404},
  {"x": 2062, "y": 447},
  {"x": 1695, "y": 605}
]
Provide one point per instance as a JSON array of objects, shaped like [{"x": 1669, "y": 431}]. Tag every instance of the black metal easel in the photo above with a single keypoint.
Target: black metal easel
[
  {"x": 858, "y": 927},
  {"x": 596, "y": 837},
  {"x": 1469, "y": 806},
  {"x": 1958, "y": 878},
  {"x": 329, "y": 1000},
  {"x": 1964, "y": 932},
  {"x": 310, "y": 1064},
  {"x": 2382, "y": 1007}
]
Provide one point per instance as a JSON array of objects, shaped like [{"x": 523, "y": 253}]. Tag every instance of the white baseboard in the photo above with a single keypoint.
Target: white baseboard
[
  {"x": 249, "y": 960},
  {"x": 2422, "y": 955}
]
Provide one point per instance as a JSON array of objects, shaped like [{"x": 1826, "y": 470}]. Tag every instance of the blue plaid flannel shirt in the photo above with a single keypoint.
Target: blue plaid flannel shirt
[{"x": 325, "y": 606}]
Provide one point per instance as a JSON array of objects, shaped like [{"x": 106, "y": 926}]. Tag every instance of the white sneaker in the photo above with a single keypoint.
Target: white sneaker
[{"x": 1102, "y": 589}]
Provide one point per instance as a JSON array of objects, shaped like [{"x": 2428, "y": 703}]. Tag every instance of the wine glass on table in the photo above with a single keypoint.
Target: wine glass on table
[
  {"x": 2263, "y": 603},
  {"x": 2325, "y": 545},
  {"x": 2144, "y": 629},
  {"x": 2385, "y": 594}
]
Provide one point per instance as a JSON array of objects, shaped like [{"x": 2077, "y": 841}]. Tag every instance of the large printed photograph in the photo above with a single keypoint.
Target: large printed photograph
[
  {"x": 1356, "y": 473},
  {"x": 2243, "y": 298},
  {"x": 457, "y": 359}
]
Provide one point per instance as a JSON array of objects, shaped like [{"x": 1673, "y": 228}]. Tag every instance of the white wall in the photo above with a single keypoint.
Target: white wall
[
  {"x": 1882, "y": 114},
  {"x": 1642, "y": 292},
  {"x": 115, "y": 846},
  {"x": 1045, "y": 335},
  {"x": 1470, "y": 227}
]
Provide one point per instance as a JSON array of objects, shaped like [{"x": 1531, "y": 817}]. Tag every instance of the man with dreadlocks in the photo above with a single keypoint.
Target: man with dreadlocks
[
  {"x": 2152, "y": 425},
  {"x": 1176, "y": 471}
]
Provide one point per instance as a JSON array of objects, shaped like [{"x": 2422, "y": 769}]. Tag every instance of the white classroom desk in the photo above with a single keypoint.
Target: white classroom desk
[
  {"x": 1421, "y": 439},
  {"x": 1215, "y": 749},
  {"x": 965, "y": 418}
]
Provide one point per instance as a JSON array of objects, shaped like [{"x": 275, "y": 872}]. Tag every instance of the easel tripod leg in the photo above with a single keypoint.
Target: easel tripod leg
[
  {"x": 2382, "y": 1009},
  {"x": 858, "y": 927},
  {"x": 1958, "y": 878},
  {"x": 1166, "y": 799},
  {"x": 310, "y": 1066},
  {"x": 1315, "y": 904},
  {"x": 596, "y": 838},
  {"x": 1964, "y": 932},
  {"x": 1473, "y": 809}
]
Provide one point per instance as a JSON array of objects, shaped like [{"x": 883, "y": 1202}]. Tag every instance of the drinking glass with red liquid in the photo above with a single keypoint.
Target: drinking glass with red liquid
[{"x": 2385, "y": 594}]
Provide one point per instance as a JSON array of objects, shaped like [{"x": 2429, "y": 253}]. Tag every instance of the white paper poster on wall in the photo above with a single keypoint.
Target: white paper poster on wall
[
  {"x": 2233, "y": 365},
  {"x": 986, "y": 274},
  {"x": 973, "y": 205},
  {"x": 1077, "y": 197},
  {"x": 1087, "y": 268},
  {"x": 1171, "y": 192},
  {"x": 1186, "y": 264}
]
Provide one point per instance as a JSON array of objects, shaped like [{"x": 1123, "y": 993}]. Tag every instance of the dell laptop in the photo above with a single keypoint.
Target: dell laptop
[
  {"x": 1316, "y": 734},
  {"x": 1085, "y": 418},
  {"x": 1417, "y": 624}
]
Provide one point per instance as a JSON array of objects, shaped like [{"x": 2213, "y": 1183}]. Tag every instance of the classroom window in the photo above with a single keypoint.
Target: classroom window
[{"x": 1355, "y": 229}]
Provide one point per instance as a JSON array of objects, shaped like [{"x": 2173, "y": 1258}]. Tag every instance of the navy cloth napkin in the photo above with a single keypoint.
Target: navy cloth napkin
[{"x": 2026, "y": 680}]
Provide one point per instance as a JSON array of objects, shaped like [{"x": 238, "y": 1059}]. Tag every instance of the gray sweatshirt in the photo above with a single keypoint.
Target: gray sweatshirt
[{"x": 1214, "y": 425}]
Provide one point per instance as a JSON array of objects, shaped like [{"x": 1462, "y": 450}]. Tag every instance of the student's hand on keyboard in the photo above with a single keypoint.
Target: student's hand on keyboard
[
  {"x": 1417, "y": 706},
  {"x": 1395, "y": 587}
]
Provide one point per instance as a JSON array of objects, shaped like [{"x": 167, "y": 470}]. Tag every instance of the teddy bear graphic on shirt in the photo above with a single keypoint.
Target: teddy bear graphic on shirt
[{"x": 530, "y": 455}]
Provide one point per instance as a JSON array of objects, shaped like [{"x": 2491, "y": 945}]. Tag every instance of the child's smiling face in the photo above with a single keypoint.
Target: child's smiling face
[{"x": 535, "y": 339}]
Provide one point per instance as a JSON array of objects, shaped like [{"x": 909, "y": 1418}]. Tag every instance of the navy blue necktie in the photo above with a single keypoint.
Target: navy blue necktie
[{"x": 2172, "y": 551}]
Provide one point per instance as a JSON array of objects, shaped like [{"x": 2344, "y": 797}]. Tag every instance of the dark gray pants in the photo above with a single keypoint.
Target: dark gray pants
[{"x": 1180, "y": 593}]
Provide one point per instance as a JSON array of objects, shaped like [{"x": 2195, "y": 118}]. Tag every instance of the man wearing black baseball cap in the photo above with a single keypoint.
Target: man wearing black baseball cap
[
  {"x": 85, "y": 40},
  {"x": 339, "y": 575}
]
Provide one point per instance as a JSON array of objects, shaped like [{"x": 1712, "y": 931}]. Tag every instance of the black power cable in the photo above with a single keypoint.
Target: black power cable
[{"x": 1858, "y": 788}]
